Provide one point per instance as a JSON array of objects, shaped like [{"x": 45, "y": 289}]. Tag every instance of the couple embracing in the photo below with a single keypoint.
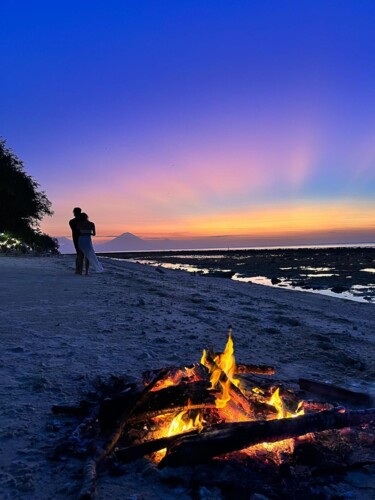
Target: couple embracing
[{"x": 82, "y": 230}]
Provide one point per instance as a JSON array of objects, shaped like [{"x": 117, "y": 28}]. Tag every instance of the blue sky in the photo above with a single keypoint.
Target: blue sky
[{"x": 194, "y": 117}]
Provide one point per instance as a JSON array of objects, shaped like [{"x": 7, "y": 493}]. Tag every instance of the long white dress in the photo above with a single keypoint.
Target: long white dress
[{"x": 85, "y": 244}]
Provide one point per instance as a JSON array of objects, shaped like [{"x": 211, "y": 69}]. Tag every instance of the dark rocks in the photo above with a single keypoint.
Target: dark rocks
[{"x": 339, "y": 289}]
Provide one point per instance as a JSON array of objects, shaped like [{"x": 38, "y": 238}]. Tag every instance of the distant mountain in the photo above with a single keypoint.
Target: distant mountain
[
  {"x": 130, "y": 242},
  {"x": 123, "y": 243}
]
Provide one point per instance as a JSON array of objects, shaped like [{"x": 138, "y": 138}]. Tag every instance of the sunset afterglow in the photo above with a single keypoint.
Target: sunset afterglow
[{"x": 196, "y": 119}]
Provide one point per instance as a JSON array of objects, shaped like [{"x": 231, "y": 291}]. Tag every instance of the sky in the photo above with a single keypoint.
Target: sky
[{"x": 195, "y": 118}]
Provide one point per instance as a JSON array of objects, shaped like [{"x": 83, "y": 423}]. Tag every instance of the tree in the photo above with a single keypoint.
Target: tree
[{"x": 22, "y": 204}]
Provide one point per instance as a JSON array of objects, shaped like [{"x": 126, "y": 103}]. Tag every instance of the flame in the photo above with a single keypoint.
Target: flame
[
  {"x": 282, "y": 412},
  {"x": 226, "y": 363},
  {"x": 222, "y": 369},
  {"x": 182, "y": 423}
]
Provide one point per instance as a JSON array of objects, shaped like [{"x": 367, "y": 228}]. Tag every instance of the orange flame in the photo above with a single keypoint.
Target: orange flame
[{"x": 226, "y": 363}]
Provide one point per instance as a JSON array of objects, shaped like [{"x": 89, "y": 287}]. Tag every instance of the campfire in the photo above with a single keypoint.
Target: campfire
[
  {"x": 214, "y": 410},
  {"x": 200, "y": 400}
]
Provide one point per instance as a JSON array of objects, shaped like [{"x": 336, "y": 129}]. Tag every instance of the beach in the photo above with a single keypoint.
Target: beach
[{"x": 60, "y": 332}]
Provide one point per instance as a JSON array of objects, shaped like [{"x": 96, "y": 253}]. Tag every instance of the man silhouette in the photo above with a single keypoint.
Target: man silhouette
[{"x": 73, "y": 223}]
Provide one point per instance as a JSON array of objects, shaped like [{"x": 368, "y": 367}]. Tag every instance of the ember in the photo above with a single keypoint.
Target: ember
[{"x": 207, "y": 411}]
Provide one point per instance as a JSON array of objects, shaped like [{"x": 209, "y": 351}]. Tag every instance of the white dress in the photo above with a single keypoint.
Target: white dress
[{"x": 85, "y": 244}]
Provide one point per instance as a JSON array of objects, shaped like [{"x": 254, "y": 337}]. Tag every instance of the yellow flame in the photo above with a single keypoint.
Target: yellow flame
[
  {"x": 226, "y": 363},
  {"x": 225, "y": 396},
  {"x": 204, "y": 357},
  {"x": 276, "y": 401},
  {"x": 182, "y": 423}
]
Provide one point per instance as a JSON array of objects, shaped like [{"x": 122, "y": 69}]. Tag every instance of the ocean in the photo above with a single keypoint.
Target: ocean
[{"x": 347, "y": 272}]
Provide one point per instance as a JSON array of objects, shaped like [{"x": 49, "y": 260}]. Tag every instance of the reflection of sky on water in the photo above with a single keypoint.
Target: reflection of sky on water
[
  {"x": 319, "y": 275},
  {"x": 262, "y": 280},
  {"x": 317, "y": 269},
  {"x": 168, "y": 265},
  {"x": 296, "y": 280},
  {"x": 258, "y": 280},
  {"x": 196, "y": 257}
]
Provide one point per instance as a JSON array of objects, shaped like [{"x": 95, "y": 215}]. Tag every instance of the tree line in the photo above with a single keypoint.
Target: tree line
[{"x": 22, "y": 204}]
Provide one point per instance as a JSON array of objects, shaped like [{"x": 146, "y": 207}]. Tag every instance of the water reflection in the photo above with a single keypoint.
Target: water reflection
[
  {"x": 336, "y": 272},
  {"x": 262, "y": 280}
]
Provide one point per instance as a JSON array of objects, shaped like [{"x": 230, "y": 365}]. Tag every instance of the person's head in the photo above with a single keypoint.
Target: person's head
[
  {"x": 84, "y": 216},
  {"x": 77, "y": 211}
]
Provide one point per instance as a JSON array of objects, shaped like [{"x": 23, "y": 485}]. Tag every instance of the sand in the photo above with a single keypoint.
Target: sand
[{"x": 60, "y": 331}]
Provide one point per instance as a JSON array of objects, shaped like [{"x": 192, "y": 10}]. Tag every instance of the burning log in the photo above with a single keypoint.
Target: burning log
[
  {"x": 243, "y": 369},
  {"x": 136, "y": 451},
  {"x": 335, "y": 393},
  {"x": 171, "y": 399},
  {"x": 226, "y": 438},
  {"x": 175, "y": 375},
  {"x": 247, "y": 405}
]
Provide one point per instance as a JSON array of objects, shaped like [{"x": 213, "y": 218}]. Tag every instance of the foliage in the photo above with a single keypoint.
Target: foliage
[
  {"x": 9, "y": 243},
  {"x": 22, "y": 205}
]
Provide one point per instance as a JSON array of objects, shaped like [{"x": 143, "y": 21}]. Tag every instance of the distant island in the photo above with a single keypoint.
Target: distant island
[{"x": 128, "y": 242}]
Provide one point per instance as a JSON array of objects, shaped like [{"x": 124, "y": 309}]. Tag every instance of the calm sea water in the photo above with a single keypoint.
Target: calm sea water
[{"x": 345, "y": 272}]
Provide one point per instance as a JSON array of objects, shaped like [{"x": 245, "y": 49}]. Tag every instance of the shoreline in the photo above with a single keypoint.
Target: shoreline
[
  {"x": 60, "y": 332},
  {"x": 346, "y": 273}
]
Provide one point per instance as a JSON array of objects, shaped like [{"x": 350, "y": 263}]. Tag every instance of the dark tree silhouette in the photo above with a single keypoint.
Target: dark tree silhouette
[{"x": 22, "y": 204}]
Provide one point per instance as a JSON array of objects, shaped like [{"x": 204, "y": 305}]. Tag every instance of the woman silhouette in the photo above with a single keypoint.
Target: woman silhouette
[{"x": 86, "y": 230}]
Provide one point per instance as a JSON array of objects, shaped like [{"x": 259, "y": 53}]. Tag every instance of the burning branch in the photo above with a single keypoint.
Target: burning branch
[{"x": 225, "y": 438}]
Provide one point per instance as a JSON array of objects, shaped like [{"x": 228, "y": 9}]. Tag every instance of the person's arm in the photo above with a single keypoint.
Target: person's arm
[{"x": 93, "y": 229}]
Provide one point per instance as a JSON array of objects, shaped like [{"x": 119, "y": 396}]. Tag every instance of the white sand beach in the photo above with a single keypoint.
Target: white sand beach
[{"x": 59, "y": 331}]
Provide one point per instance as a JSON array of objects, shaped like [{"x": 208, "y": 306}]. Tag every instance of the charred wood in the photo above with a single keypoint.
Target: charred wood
[
  {"x": 174, "y": 397},
  {"x": 111, "y": 408},
  {"x": 144, "y": 417},
  {"x": 90, "y": 469},
  {"x": 243, "y": 369},
  {"x": 136, "y": 451},
  {"x": 179, "y": 375},
  {"x": 335, "y": 393},
  {"x": 226, "y": 438}
]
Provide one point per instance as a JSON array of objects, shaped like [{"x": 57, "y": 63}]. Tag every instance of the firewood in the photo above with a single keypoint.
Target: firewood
[
  {"x": 247, "y": 405},
  {"x": 179, "y": 374},
  {"x": 226, "y": 438},
  {"x": 336, "y": 393},
  {"x": 144, "y": 417},
  {"x": 175, "y": 396},
  {"x": 135, "y": 451},
  {"x": 90, "y": 468},
  {"x": 243, "y": 369}
]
